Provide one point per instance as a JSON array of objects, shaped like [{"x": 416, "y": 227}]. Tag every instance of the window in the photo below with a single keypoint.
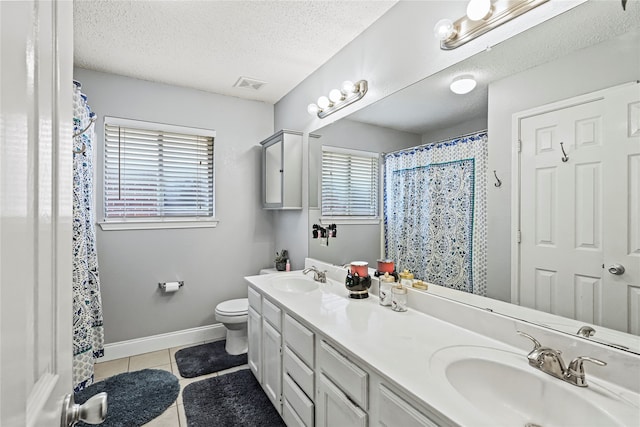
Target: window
[
  {"x": 349, "y": 183},
  {"x": 157, "y": 173}
]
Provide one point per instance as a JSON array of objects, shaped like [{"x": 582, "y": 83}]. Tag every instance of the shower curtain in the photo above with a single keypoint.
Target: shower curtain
[
  {"x": 88, "y": 337},
  {"x": 435, "y": 212}
]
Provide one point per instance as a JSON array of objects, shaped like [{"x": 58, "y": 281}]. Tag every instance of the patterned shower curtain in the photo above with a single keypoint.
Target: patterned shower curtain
[
  {"x": 88, "y": 337},
  {"x": 435, "y": 212}
]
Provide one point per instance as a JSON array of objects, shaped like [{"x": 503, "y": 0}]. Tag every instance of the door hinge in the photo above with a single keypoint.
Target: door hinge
[
  {"x": 519, "y": 236},
  {"x": 519, "y": 146}
]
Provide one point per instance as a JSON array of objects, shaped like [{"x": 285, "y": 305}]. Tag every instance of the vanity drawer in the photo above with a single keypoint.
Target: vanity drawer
[
  {"x": 394, "y": 410},
  {"x": 272, "y": 313},
  {"x": 298, "y": 370},
  {"x": 345, "y": 374},
  {"x": 299, "y": 339},
  {"x": 291, "y": 419},
  {"x": 255, "y": 300},
  {"x": 300, "y": 403}
]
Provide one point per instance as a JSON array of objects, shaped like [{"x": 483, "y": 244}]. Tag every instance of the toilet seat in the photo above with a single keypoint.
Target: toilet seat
[{"x": 233, "y": 307}]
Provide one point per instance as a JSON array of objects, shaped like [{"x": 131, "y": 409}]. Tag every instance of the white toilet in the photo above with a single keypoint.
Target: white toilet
[{"x": 233, "y": 315}]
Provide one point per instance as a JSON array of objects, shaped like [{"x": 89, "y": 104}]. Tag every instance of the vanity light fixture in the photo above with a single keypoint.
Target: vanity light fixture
[
  {"x": 462, "y": 85},
  {"x": 482, "y": 16},
  {"x": 348, "y": 93}
]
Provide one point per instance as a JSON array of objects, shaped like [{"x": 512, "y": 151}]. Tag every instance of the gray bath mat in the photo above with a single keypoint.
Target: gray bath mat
[
  {"x": 134, "y": 398},
  {"x": 205, "y": 359},
  {"x": 234, "y": 399}
]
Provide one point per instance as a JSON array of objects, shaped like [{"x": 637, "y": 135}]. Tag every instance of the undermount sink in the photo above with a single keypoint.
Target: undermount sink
[
  {"x": 502, "y": 386},
  {"x": 295, "y": 284}
]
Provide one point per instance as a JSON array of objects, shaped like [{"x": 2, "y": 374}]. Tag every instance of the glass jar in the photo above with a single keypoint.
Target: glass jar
[
  {"x": 399, "y": 298},
  {"x": 384, "y": 289},
  {"x": 406, "y": 278}
]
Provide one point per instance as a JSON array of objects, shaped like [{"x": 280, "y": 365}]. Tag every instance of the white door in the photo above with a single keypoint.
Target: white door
[
  {"x": 577, "y": 208},
  {"x": 621, "y": 196},
  {"x": 35, "y": 211}
]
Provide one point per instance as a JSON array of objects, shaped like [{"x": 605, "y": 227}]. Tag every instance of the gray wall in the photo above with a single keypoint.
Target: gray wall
[
  {"x": 211, "y": 261},
  {"x": 601, "y": 66}
]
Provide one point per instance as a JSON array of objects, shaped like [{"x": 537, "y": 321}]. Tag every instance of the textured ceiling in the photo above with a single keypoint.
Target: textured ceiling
[{"x": 208, "y": 45}]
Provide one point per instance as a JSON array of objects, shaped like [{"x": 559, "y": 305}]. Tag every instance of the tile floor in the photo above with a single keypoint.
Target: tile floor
[{"x": 163, "y": 359}]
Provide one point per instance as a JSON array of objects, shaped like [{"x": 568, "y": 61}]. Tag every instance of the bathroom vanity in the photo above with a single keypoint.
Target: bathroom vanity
[{"x": 327, "y": 360}]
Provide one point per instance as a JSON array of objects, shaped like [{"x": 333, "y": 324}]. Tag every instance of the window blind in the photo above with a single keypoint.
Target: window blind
[
  {"x": 157, "y": 171},
  {"x": 349, "y": 182}
]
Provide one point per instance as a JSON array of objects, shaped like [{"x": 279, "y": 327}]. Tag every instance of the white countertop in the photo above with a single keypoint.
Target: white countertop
[{"x": 398, "y": 345}]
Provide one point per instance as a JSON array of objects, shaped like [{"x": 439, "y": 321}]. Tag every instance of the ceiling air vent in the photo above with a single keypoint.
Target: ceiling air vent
[{"x": 249, "y": 83}]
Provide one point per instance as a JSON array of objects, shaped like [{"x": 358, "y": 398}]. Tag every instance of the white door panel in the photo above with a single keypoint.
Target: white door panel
[
  {"x": 581, "y": 212},
  {"x": 622, "y": 202},
  {"x": 561, "y": 208},
  {"x": 35, "y": 211}
]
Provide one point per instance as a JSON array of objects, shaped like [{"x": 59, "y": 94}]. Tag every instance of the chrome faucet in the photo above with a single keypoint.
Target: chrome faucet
[
  {"x": 318, "y": 276},
  {"x": 550, "y": 362}
]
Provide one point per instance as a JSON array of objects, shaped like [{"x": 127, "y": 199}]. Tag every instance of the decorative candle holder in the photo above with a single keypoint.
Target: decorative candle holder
[{"x": 358, "y": 286}]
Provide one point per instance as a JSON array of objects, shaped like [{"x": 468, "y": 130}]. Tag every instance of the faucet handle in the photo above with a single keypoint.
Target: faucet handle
[
  {"x": 536, "y": 343},
  {"x": 575, "y": 372},
  {"x": 586, "y": 331}
]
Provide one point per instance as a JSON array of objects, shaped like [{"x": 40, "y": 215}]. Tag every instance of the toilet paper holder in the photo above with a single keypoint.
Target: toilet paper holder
[{"x": 163, "y": 285}]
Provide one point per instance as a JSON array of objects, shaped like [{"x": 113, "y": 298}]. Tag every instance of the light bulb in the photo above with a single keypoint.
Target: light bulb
[
  {"x": 313, "y": 109},
  {"x": 444, "y": 29},
  {"x": 463, "y": 84},
  {"x": 347, "y": 87},
  {"x": 323, "y": 102},
  {"x": 478, "y": 9},
  {"x": 335, "y": 95}
]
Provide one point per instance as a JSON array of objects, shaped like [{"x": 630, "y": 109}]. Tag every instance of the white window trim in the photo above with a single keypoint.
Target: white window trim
[
  {"x": 118, "y": 224},
  {"x": 119, "y": 121},
  {"x": 146, "y": 224},
  {"x": 351, "y": 220},
  {"x": 346, "y": 220}
]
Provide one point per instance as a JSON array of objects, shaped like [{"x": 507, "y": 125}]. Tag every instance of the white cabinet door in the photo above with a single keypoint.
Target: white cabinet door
[
  {"x": 254, "y": 353},
  {"x": 282, "y": 170},
  {"x": 272, "y": 364},
  {"x": 335, "y": 409}
]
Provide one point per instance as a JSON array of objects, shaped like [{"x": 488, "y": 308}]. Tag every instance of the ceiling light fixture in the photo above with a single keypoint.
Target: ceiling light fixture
[
  {"x": 462, "y": 85},
  {"x": 348, "y": 93},
  {"x": 482, "y": 16}
]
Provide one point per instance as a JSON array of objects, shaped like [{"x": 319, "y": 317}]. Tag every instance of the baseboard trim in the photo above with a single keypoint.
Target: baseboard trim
[{"x": 136, "y": 346}]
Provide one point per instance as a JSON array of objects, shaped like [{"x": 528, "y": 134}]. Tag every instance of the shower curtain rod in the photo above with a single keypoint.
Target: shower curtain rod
[{"x": 436, "y": 142}]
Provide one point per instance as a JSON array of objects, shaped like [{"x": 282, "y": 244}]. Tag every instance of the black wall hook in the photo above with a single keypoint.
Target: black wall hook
[
  {"x": 498, "y": 183},
  {"x": 564, "y": 154}
]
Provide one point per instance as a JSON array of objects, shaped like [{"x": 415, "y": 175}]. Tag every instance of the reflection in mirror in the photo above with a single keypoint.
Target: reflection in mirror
[{"x": 557, "y": 60}]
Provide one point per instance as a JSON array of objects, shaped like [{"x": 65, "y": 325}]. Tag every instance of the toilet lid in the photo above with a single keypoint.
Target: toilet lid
[{"x": 232, "y": 307}]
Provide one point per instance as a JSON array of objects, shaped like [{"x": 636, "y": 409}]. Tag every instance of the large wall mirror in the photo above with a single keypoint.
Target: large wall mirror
[{"x": 592, "y": 47}]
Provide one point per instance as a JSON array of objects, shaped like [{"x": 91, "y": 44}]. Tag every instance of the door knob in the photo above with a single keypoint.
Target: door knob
[
  {"x": 93, "y": 411},
  {"x": 616, "y": 269}
]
